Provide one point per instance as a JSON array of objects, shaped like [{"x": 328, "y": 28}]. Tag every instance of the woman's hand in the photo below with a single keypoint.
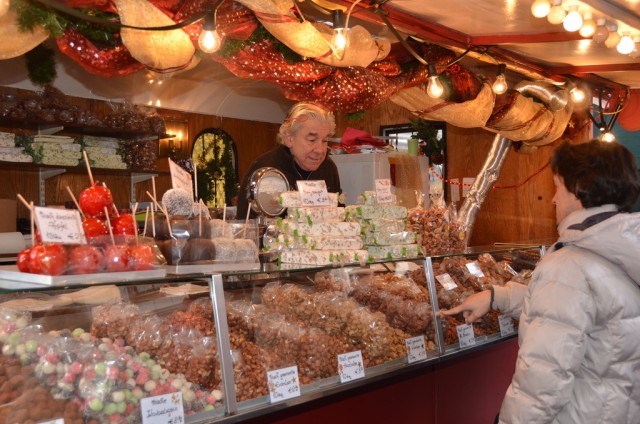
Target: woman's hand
[{"x": 473, "y": 307}]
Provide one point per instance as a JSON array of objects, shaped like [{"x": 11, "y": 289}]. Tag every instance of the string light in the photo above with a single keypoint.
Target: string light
[
  {"x": 626, "y": 44},
  {"x": 573, "y": 21},
  {"x": 556, "y": 13},
  {"x": 635, "y": 54},
  {"x": 614, "y": 38},
  {"x": 434, "y": 86},
  {"x": 607, "y": 136},
  {"x": 602, "y": 32},
  {"x": 540, "y": 8},
  {"x": 339, "y": 37},
  {"x": 577, "y": 94},
  {"x": 4, "y": 7},
  {"x": 588, "y": 26},
  {"x": 500, "y": 85},
  {"x": 209, "y": 40}
]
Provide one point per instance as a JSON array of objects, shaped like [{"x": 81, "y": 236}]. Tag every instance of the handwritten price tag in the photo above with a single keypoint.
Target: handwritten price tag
[
  {"x": 283, "y": 384},
  {"x": 350, "y": 366},
  {"x": 180, "y": 178},
  {"x": 446, "y": 281},
  {"x": 313, "y": 193},
  {"x": 416, "y": 350},
  {"x": 62, "y": 226},
  {"x": 383, "y": 191},
  {"x": 506, "y": 325},
  {"x": 474, "y": 269},
  {"x": 163, "y": 409},
  {"x": 465, "y": 335}
]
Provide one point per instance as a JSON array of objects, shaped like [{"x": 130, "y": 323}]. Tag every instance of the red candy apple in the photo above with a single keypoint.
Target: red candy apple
[
  {"x": 94, "y": 227},
  {"x": 124, "y": 224},
  {"x": 23, "y": 260},
  {"x": 141, "y": 257},
  {"x": 116, "y": 258},
  {"x": 86, "y": 259},
  {"x": 94, "y": 199},
  {"x": 48, "y": 259}
]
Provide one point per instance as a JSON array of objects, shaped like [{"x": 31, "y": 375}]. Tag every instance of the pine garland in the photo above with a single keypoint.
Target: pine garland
[{"x": 41, "y": 65}]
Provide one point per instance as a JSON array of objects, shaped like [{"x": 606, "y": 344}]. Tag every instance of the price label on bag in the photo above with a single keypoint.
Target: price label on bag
[
  {"x": 465, "y": 335},
  {"x": 446, "y": 281},
  {"x": 283, "y": 384},
  {"x": 350, "y": 366},
  {"x": 313, "y": 193},
  {"x": 506, "y": 325},
  {"x": 416, "y": 349},
  {"x": 383, "y": 191},
  {"x": 474, "y": 269},
  {"x": 180, "y": 178},
  {"x": 63, "y": 226},
  {"x": 163, "y": 409}
]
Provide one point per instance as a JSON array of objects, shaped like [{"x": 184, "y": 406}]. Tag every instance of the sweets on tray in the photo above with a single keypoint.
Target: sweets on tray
[{"x": 294, "y": 228}]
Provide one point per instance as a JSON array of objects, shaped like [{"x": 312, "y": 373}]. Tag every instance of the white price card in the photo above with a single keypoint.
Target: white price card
[
  {"x": 474, "y": 269},
  {"x": 283, "y": 384},
  {"x": 455, "y": 190},
  {"x": 162, "y": 409},
  {"x": 313, "y": 193},
  {"x": 416, "y": 349},
  {"x": 465, "y": 335},
  {"x": 62, "y": 226},
  {"x": 56, "y": 421},
  {"x": 350, "y": 366},
  {"x": 180, "y": 178},
  {"x": 383, "y": 191},
  {"x": 506, "y": 325},
  {"x": 446, "y": 281}
]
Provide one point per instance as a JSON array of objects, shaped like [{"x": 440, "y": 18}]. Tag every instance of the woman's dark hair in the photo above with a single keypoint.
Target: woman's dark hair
[{"x": 598, "y": 173}]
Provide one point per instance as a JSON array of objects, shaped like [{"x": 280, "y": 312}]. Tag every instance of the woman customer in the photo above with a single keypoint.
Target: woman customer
[{"x": 579, "y": 333}]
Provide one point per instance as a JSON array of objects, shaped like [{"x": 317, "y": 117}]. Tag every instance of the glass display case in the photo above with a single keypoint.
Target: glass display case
[{"x": 233, "y": 346}]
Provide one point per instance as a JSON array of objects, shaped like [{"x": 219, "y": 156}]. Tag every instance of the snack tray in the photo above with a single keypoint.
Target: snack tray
[
  {"x": 212, "y": 268},
  {"x": 11, "y": 278}
]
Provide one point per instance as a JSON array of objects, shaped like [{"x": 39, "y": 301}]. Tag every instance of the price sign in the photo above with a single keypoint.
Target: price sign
[
  {"x": 506, "y": 325},
  {"x": 180, "y": 178},
  {"x": 446, "y": 281},
  {"x": 163, "y": 409},
  {"x": 313, "y": 193},
  {"x": 474, "y": 269},
  {"x": 62, "y": 226},
  {"x": 465, "y": 335},
  {"x": 383, "y": 191},
  {"x": 350, "y": 366},
  {"x": 283, "y": 384},
  {"x": 416, "y": 350},
  {"x": 56, "y": 421}
]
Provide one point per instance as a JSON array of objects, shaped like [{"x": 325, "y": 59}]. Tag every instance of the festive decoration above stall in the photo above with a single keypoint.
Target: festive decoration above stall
[{"x": 271, "y": 40}]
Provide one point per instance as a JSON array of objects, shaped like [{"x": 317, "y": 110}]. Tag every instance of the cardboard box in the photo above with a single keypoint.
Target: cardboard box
[{"x": 8, "y": 215}]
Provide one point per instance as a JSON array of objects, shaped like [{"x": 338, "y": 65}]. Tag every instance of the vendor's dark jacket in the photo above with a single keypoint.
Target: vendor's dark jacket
[{"x": 281, "y": 159}]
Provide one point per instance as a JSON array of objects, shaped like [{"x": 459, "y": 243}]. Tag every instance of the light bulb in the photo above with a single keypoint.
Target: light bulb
[
  {"x": 573, "y": 21},
  {"x": 339, "y": 41},
  {"x": 607, "y": 136},
  {"x": 588, "y": 26},
  {"x": 500, "y": 84},
  {"x": 636, "y": 51},
  {"x": 614, "y": 38},
  {"x": 4, "y": 7},
  {"x": 602, "y": 32},
  {"x": 577, "y": 95},
  {"x": 209, "y": 40},
  {"x": 434, "y": 86},
  {"x": 540, "y": 8},
  {"x": 626, "y": 44},
  {"x": 556, "y": 13}
]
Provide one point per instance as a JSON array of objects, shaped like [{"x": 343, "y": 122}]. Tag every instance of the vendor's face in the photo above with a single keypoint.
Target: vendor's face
[
  {"x": 309, "y": 144},
  {"x": 564, "y": 201}
]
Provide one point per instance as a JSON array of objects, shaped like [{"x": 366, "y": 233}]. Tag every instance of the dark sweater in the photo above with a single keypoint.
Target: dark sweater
[{"x": 281, "y": 159}]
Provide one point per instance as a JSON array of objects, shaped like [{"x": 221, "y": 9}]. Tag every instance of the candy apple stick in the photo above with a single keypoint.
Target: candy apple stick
[
  {"x": 246, "y": 223},
  {"x": 146, "y": 218},
  {"x": 164, "y": 210},
  {"x": 200, "y": 218},
  {"x": 135, "y": 222},
  {"x": 31, "y": 217},
  {"x": 108, "y": 222},
  {"x": 153, "y": 186},
  {"x": 166, "y": 214},
  {"x": 224, "y": 212},
  {"x": 75, "y": 201},
  {"x": 113, "y": 205},
  {"x": 86, "y": 162}
]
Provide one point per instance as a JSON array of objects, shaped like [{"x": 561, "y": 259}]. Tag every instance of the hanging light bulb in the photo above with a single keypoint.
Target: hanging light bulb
[
  {"x": 556, "y": 13},
  {"x": 540, "y": 8},
  {"x": 209, "y": 40},
  {"x": 573, "y": 21},
  {"x": 500, "y": 85},
  {"x": 626, "y": 44},
  {"x": 588, "y": 26},
  {"x": 635, "y": 54},
  {"x": 434, "y": 87},
  {"x": 4, "y": 7},
  {"x": 339, "y": 37},
  {"x": 577, "y": 94},
  {"x": 602, "y": 32},
  {"x": 607, "y": 136},
  {"x": 614, "y": 38}
]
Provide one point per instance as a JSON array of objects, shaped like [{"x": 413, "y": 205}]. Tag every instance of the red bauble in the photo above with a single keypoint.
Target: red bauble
[
  {"x": 94, "y": 200},
  {"x": 48, "y": 259},
  {"x": 141, "y": 257},
  {"x": 86, "y": 259},
  {"x": 116, "y": 258},
  {"x": 124, "y": 224},
  {"x": 94, "y": 227}
]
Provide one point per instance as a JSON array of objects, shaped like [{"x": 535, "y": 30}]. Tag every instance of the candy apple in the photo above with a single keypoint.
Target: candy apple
[
  {"x": 94, "y": 199},
  {"x": 116, "y": 258},
  {"x": 94, "y": 227},
  {"x": 124, "y": 224},
  {"x": 86, "y": 259},
  {"x": 23, "y": 260},
  {"x": 48, "y": 259},
  {"x": 141, "y": 257}
]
